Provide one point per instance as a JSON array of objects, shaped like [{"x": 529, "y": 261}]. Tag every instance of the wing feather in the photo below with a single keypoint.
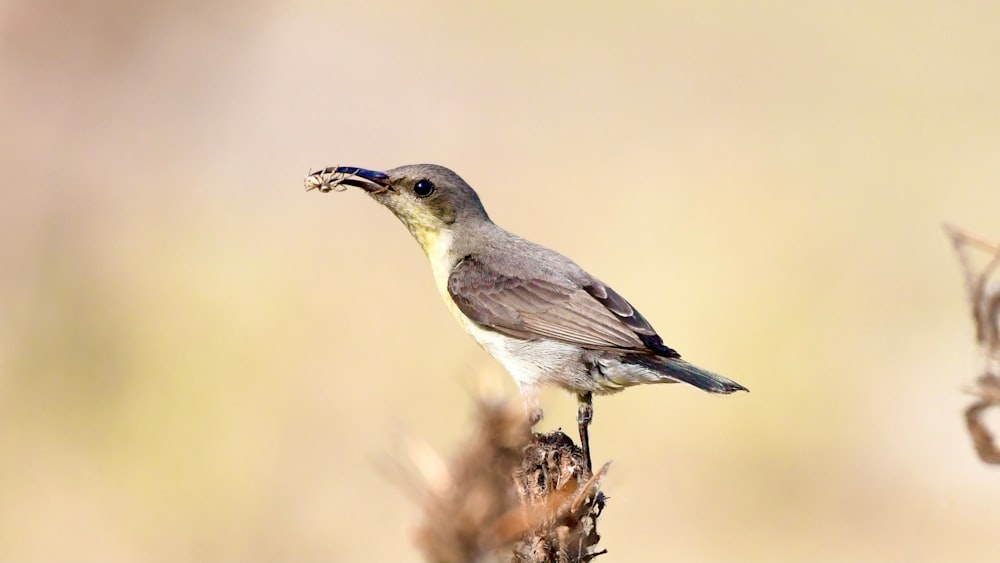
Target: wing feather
[{"x": 590, "y": 315}]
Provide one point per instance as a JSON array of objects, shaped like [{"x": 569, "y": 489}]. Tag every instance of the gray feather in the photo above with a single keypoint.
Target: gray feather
[{"x": 549, "y": 304}]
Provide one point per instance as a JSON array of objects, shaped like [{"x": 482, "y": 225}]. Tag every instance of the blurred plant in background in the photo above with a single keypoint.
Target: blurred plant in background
[{"x": 983, "y": 286}]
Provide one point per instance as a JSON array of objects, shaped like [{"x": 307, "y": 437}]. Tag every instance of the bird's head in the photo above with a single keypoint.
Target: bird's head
[{"x": 429, "y": 199}]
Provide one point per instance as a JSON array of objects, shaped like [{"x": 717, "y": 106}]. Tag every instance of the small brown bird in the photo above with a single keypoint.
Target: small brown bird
[{"x": 543, "y": 317}]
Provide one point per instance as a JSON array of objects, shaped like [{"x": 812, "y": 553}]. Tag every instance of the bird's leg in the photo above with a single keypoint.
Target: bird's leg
[{"x": 584, "y": 414}]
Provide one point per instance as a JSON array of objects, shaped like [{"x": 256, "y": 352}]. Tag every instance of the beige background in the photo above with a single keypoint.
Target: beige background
[{"x": 201, "y": 362}]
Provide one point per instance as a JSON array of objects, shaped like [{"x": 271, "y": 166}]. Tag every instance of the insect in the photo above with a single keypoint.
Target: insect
[{"x": 326, "y": 179}]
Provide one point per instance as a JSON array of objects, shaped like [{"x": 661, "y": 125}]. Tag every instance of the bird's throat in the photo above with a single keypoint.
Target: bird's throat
[{"x": 437, "y": 246}]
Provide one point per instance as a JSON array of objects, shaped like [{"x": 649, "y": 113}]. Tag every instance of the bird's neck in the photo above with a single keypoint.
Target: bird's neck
[
  {"x": 438, "y": 246},
  {"x": 446, "y": 247}
]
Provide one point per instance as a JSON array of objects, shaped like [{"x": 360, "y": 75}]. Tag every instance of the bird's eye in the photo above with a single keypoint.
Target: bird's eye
[{"x": 423, "y": 188}]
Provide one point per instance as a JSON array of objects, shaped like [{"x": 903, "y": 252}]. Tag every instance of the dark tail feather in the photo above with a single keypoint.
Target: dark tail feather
[{"x": 679, "y": 370}]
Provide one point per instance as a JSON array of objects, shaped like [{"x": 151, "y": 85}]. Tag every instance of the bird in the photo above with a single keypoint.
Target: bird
[{"x": 543, "y": 317}]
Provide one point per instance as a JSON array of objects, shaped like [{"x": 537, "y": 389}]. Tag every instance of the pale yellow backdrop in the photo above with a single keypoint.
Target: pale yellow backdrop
[{"x": 199, "y": 361}]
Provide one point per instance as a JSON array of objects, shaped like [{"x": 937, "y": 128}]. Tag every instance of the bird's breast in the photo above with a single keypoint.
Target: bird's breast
[{"x": 438, "y": 247}]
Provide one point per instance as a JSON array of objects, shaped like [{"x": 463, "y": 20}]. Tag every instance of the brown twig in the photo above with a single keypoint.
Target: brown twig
[
  {"x": 984, "y": 296},
  {"x": 510, "y": 495}
]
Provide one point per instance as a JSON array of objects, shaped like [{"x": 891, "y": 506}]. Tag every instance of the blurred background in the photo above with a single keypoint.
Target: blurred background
[{"x": 200, "y": 361}]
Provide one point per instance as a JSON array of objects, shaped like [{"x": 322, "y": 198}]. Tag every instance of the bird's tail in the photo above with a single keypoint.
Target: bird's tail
[{"x": 677, "y": 369}]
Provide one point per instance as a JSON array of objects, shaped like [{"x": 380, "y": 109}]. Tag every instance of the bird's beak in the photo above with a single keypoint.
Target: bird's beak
[{"x": 327, "y": 179}]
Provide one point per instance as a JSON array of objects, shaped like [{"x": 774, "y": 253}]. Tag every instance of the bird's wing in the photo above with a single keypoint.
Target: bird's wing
[{"x": 589, "y": 315}]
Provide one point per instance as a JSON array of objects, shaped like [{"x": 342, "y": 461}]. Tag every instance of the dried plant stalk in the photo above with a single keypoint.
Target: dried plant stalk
[
  {"x": 510, "y": 495},
  {"x": 983, "y": 286},
  {"x": 982, "y": 438},
  {"x": 565, "y": 502}
]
